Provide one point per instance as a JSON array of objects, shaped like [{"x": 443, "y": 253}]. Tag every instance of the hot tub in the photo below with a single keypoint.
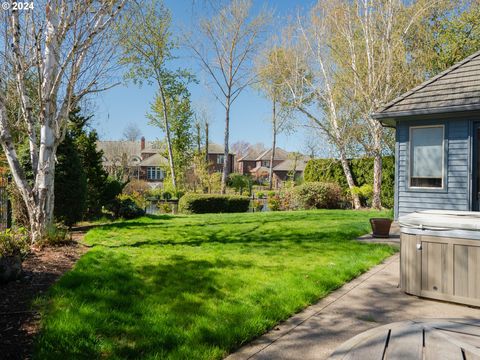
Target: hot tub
[{"x": 440, "y": 255}]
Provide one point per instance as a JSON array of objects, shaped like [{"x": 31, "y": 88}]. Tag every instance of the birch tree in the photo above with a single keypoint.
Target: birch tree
[
  {"x": 312, "y": 87},
  {"x": 225, "y": 52},
  {"x": 64, "y": 48},
  {"x": 368, "y": 41}
]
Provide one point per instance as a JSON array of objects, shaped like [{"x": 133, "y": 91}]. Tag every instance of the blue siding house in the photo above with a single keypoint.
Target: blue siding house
[{"x": 437, "y": 149}]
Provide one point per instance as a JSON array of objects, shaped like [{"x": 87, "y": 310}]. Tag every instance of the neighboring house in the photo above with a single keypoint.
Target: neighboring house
[
  {"x": 290, "y": 169},
  {"x": 216, "y": 158},
  {"x": 134, "y": 159},
  {"x": 437, "y": 148},
  {"x": 248, "y": 161},
  {"x": 262, "y": 163}
]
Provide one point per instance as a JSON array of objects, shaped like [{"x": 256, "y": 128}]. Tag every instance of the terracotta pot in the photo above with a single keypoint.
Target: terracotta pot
[{"x": 380, "y": 227}]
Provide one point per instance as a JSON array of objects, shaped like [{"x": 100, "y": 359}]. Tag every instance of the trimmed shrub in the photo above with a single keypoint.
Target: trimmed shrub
[
  {"x": 317, "y": 195},
  {"x": 208, "y": 203},
  {"x": 330, "y": 170}
]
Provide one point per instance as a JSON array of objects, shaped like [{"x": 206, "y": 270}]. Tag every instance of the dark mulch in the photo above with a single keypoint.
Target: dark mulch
[{"x": 19, "y": 322}]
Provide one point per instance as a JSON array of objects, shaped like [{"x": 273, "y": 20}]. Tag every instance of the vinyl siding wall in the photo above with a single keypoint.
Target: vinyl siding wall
[{"x": 456, "y": 192}]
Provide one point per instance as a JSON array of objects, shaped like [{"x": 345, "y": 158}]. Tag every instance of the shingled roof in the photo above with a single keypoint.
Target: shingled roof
[{"x": 455, "y": 89}]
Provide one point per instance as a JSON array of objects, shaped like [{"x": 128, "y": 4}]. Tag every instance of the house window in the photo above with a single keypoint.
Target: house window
[
  {"x": 154, "y": 173},
  {"x": 426, "y": 157},
  {"x": 220, "y": 159},
  {"x": 265, "y": 163}
]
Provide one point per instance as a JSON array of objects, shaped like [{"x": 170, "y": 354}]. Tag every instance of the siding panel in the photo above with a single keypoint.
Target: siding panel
[{"x": 455, "y": 196}]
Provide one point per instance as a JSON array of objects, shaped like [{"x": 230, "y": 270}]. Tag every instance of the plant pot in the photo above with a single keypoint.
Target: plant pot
[
  {"x": 10, "y": 268},
  {"x": 380, "y": 227}
]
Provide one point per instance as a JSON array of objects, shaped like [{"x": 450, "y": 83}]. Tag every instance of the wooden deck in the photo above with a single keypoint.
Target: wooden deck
[{"x": 430, "y": 339}]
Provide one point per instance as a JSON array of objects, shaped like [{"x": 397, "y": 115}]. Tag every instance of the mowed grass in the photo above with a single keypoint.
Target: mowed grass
[{"x": 198, "y": 287}]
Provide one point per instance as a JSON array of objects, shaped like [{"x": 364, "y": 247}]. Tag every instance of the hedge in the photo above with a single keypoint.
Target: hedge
[
  {"x": 330, "y": 170},
  {"x": 207, "y": 203}
]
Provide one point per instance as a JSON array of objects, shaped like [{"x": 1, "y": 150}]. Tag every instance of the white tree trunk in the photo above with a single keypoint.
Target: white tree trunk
[
  {"x": 226, "y": 149},
  {"x": 274, "y": 144},
  {"x": 169, "y": 140}
]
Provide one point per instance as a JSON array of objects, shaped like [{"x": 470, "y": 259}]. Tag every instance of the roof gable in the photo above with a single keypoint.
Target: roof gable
[
  {"x": 280, "y": 154},
  {"x": 455, "y": 89}
]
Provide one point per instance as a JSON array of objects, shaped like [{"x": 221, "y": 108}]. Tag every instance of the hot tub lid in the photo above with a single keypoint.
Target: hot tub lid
[{"x": 441, "y": 220}]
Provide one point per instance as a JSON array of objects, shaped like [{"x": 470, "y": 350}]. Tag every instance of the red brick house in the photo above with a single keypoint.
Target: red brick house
[
  {"x": 248, "y": 161},
  {"x": 262, "y": 163},
  {"x": 216, "y": 157}
]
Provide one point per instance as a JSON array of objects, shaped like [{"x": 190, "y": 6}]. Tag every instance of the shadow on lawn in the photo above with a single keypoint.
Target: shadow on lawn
[
  {"x": 250, "y": 237},
  {"x": 109, "y": 307}
]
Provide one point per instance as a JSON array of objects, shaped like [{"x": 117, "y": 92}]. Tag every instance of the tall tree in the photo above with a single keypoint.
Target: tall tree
[
  {"x": 230, "y": 40},
  {"x": 91, "y": 161},
  {"x": 147, "y": 45},
  {"x": 446, "y": 33},
  {"x": 180, "y": 117},
  {"x": 309, "y": 76},
  {"x": 64, "y": 47},
  {"x": 271, "y": 82},
  {"x": 368, "y": 42}
]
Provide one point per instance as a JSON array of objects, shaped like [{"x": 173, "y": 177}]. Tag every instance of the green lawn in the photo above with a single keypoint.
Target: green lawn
[{"x": 197, "y": 287}]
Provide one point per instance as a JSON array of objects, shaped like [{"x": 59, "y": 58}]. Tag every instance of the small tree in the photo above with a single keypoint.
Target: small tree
[
  {"x": 180, "y": 117},
  {"x": 230, "y": 40}
]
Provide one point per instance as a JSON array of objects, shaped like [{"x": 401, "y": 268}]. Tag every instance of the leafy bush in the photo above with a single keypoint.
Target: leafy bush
[
  {"x": 317, "y": 195},
  {"x": 14, "y": 242},
  {"x": 260, "y": 194},
  {"x": 365, "y": 193},
  {"x": 207, "y": 203},
  {"x": 166, "y": 195},
  {"x": 239, "y": 182},
  {"x": 137, "y": 186},
  {"x": 274, "y": 203},
  {"x": 125, "y": 207},
  {"x": 57, "y": 234},
  {"x": 328, "y": 170},
  {"x": 19, "y": 209},
  {"x": 113, "y": 188},
  {"x": 165, "y": 207},
  {"x": 271, "y": 193}
]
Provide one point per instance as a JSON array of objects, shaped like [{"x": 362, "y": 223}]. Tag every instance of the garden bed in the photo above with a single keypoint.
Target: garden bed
[{"x": 19, "y": 322}]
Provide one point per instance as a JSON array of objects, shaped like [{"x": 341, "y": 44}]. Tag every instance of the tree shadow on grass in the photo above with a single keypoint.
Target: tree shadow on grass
[{"x": 110, "y": 306}]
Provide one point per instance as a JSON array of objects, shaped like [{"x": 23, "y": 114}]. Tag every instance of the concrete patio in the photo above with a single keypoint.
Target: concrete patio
[{"x": 371, "y": 300}]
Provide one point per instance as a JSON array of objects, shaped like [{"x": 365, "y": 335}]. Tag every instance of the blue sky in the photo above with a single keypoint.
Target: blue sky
[{"x": 117, "y": 107}]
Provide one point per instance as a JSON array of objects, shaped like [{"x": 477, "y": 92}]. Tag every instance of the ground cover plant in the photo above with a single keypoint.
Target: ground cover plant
[{"x": 199, "y": 286}]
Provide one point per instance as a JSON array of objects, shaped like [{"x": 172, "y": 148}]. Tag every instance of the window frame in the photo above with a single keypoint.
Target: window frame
[
  {"x": 410, "y": 160},
  {"x": 155, "y": 170},
  {"x": 220, "y": 156}
]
